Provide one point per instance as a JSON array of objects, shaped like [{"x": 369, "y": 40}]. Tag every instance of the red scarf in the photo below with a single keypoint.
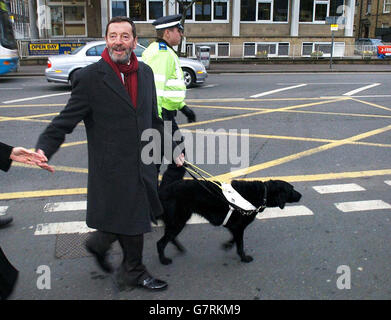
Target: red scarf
[{"x": 129, "y": 71}]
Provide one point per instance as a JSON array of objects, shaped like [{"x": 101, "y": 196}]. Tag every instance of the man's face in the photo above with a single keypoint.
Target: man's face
[
  {"x": 120, "y": 42},
  {"x": 173, "y": 36}
]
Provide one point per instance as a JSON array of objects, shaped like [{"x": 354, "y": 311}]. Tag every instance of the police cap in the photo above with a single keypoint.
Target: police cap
[{"x": 169, "y": 22}]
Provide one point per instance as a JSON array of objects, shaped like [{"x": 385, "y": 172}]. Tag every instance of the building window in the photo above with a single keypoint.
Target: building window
[
  {"x": 220, "y": 10},
  {"x": 314, "y": 10},
  {"x": 247, "y": 10},
  {"x": 137, "y": 10},
  {"x": 119, "y": 8},
  {"x": 325, "y": 47},
  {"x": 67, "y": 20},
  {"x": 206, "y": 10},
  {"x": 387, "y": 6},
  {"x": 369, "y": 6},
  {"x": 220, "y": 49},
  {"x": 280, "y": 10},
  {"x": 309, "y": 47},
  {"x": 264, "y": 10},
  {"x": 155, "y": 9},
  {"x": 203, "y": 10},
  {"x": 321, "y": 10},
  {"x": 269, "y": 49},
  {"x": 337, "y": 8}
]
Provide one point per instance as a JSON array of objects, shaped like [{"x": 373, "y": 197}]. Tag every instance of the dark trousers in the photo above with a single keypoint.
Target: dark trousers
[
  {"x": 173, "y": 172},
  {"x": 132, "y": 271},
  {"x": 8, "y": 276}
]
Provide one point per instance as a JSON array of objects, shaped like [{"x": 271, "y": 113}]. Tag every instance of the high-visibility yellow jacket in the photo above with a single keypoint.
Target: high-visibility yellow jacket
[{"x": 170, "y": 86}]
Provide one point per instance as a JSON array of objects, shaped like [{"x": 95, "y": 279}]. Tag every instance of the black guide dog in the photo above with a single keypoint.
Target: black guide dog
[{"x": 182, "y": 198}]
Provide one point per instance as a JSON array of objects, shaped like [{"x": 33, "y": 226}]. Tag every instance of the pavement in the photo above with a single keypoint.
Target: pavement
[{"x": 264, "y": 67}]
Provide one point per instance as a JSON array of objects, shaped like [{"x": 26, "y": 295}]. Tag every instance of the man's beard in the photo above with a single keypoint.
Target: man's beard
[{"x": 121, "y": 60}]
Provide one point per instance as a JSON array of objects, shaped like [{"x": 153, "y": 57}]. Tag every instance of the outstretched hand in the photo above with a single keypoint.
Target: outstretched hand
[
  {"x": 44, "y": 164},
  {"x": 20, "y": 154}
]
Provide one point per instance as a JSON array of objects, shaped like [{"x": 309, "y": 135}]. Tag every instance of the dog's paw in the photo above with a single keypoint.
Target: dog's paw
[
  {"x": 165, "y": 261},
  {"x": 227, "y": 245},
  {"x": 247, "y": 259}
]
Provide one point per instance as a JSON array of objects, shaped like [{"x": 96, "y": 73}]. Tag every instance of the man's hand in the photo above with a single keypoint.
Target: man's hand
[
  {"x": 190, "y": 115},
  {"x": 44, "y": 164},
  {"x": 180, "y": 160},
  {"x": 20, "y": 154}
]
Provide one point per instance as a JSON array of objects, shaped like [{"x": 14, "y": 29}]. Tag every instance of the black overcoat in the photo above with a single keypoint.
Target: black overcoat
[
  {"x": 5, "y": 152},
  {"x": 122, "y": 190},
  {"x": 8, "y": 274}
]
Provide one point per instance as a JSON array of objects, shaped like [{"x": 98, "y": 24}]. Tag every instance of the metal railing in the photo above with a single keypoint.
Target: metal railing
[{"x": 264, "y": 51}]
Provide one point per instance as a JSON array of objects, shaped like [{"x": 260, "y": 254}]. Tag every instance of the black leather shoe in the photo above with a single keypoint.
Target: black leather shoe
[
  {"x": 153, "y": 284},
  {"x": 5, "y": 220},
  {"x": 100, "y": 259}
]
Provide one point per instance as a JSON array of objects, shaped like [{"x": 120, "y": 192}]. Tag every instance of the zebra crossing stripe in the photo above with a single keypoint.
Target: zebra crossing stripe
[
  {"x": 337, "y": 188},
  {"x": 3, "y": 210},
  {"x": 65, "y": 206},
  {"x": 62, "y": 228},
  {"x": 388, "y": 182},
  {"x": 81, "y": 227},
  {"x": 362, "y": 205},
  {"x": 290, "y": 211}
]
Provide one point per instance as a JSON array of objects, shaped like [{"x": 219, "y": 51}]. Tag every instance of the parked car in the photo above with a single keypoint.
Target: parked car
[
  {"x": 367, "y": 46},
  {"x": 62, "y": 67}
]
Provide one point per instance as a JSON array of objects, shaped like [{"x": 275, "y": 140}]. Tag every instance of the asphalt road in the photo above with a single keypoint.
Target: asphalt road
[{"x": 330, "y": 130}]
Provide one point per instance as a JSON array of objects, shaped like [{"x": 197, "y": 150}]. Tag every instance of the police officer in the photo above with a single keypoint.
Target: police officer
[{"x": 169, "y": 82}]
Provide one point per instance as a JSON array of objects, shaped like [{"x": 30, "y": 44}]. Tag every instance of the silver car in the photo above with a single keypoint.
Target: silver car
[{"x": 61, "y": 67}]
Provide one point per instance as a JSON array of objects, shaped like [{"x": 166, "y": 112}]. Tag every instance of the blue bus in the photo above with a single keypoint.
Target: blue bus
[{"x": 9, "y": 58}]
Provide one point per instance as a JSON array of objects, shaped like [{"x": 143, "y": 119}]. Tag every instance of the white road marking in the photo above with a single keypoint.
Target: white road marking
[
  {"x": 362, "y": 205},
  {"x": 37, "y": 97},
  {"x": 277, "y": 90},
  {"x": 3, "y": 210},
  {"x": 81, "y": 227},
  {"x": 350, "y": 93},
  {"x": 195, "y": 219},
  {"x": 62, "y": 228},
  {"x": 289, "y": 211},
  {"x": 388, "y": 182},
  {"x": 336, "y": 188},
  {"x": 11, "y": 88},
  {"x": 65, "y": 206}
]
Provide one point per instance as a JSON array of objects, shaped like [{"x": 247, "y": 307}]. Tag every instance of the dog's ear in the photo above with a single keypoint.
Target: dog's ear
[{"x": 281, "y": 200}]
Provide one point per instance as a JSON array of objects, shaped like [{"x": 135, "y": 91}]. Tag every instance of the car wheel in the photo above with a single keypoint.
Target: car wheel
[
  {"x": 189, "y": 77},
  {"x": 72, "y": 77}
]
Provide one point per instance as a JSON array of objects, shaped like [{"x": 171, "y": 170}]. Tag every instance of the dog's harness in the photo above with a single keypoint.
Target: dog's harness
[{"x": 233, "y": 198}]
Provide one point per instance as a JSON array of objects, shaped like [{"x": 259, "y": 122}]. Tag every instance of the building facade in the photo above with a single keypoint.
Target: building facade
[
  {"x": 373, "y": 19},
  {"x": 231, "y": 28},
  {"x": 19, "y": 15}
]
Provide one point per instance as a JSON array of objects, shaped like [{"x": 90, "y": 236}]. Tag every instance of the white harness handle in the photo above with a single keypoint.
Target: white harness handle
[{"x": 234, "y": 197}]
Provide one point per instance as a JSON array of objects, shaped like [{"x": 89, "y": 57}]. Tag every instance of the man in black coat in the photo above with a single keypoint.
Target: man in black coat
[
  {"x": 8, "y": 273},
  {"x": 116, "y": 99}
]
